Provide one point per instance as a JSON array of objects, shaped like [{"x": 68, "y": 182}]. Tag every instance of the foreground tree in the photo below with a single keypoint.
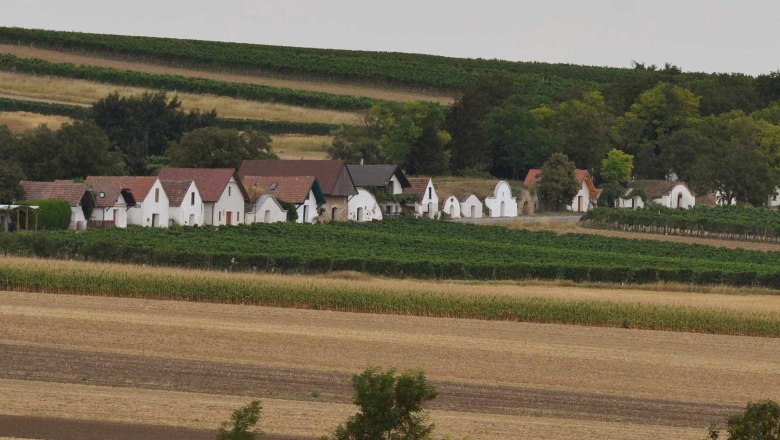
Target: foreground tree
[
  {"x": 391, "y": 407},
  {"x": 241, "y": 425},
  {"x": 10, "y": 176},
  {"x": 760, "y": 421},
  {"x": 558, "y": 185},
  {"x": 616, "y": 168},
  {"x": 219, "y": 148}
]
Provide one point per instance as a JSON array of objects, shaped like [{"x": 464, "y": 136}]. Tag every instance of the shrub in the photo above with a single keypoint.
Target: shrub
[
  {"x": 241, "y": 425},
  {"x": 760, "y": 421},
  {"x": 52, "y": 214}
]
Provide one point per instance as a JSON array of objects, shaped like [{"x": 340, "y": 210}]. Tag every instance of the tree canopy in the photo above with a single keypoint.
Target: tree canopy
[
  {"x": 219, "y": 148},
  {"x": 558, "y": 185}
]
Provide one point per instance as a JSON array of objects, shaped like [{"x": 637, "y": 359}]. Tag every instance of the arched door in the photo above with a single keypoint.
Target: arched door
[{"x": 525, "y": 208}]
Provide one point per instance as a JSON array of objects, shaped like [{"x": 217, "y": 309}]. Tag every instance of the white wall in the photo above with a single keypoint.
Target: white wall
[
  {"x": 116, "y": 213},
  {"x": 583, "y": 195},
  {"x": 363, "y": 203},
  {"x": 309, "y": 208},
  {"x": 395, "y": 185},
  {"x": 188, "y": 210},
  {"x": 429, "y": 205},
  {"x": 266, "y": 212},
  {"x": 77, "y": 219},
  {"x": 502, "y": 195},
  {"x": 627, "y": 203},
  {"x": 672, "y": 200},
  {"x": 231, "y": 201},
  {"x": 451, "y": 207},
  {"x": 142, "y": 214},
  {"x": 471, "y": 207},
  {"x": 774, "y": 200}
]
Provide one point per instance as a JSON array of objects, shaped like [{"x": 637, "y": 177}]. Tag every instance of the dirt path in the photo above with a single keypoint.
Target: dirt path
[
  {"x": 313, "y": 86},
  {"x": 164, "y": 363}
]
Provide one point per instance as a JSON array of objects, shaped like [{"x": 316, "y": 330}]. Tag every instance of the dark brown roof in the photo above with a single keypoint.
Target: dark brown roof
[
  {"x": 176, "y": 190},
  {"x": 69, "y": 191},
  {"x": 139, "y": 185},
  {"x": 289, "y": 189},
  {"x": 417, "y": 186},
  {"x": 653, "y": 189},
  {"x": 377, "y": 175},
  {"x": 211, "y": 182},
  {"x": 332, "y": 175},
  {"x": 111, "y": 189}
]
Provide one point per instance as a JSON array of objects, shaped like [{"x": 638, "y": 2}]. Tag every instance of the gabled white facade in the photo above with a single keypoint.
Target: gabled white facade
[
  {"x": 228, "y": 209},
  {"x": 152, "y": 211},
  {"x": 307, "y": 211},
  {"x": 471, "y": 207},
  {"x": 679, "y": 197},
  {"x": 266, "y": 210},
  {"x": 77, "y": 220},
  {"x": 190, "y": 212},
  {"x": 363, "y": 206},
  {"x": 116, "y": 213},
  {"x": 395, "y": 185},
  {"x": 451, "y": 207},
  {"x": 429, "y": 205},
  {"x": 581, "y": 201},
  {"x": 774, "y": 199},
  {"x": 502, "y": 204}
]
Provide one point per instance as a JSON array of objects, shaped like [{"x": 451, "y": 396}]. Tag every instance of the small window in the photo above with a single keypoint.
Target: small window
[
  {"x": 156, "y": 195},
  {"x": 274, "y": 185},
  {"x": 229, "y": 188},
  {"x": 430, "y": 192},
  {"x": 192, "y": 198},
  {"x": 219, "y": 215}
]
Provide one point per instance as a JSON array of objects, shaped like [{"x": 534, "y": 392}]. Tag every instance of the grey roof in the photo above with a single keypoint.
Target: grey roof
[{"x": 377, "y": 175}]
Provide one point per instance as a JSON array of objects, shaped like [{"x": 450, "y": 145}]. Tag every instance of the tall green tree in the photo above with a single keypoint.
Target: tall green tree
[
  {"x": 241, "y": 425},
  {"x": 356, "y": 143},
  {"x": 466, "y": 117},
  {"x": 616, "y": 168},
  {"x": 656, "y": 114},
  {"x": 83, "y": 149},
  {"x": 517, "y": 140},
  {"x": 390, "y": 407},
  {"x": 558, "y": 185},
  {"x": 759, "y": 421},
  {"x": 10, "y": 176},
  {"x": 219, "y": 148}
]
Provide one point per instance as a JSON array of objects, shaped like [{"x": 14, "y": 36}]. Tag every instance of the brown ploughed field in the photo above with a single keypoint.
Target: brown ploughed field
[
  {"x": 311, "y": 86},
  {"x": 77, "y": 366}
]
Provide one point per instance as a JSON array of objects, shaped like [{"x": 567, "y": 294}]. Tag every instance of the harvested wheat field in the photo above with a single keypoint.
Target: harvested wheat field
[
  {"x": 301, "y": 147},
  {"x": 312, "y": 86},
  {"x": 19, "y": 122},
  {"x": 76, "y": 91},
  {"x": 152, "y": 366}
]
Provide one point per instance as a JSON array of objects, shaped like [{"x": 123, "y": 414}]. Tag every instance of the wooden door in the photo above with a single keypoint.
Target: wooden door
[{"x": 229, "y": 217}]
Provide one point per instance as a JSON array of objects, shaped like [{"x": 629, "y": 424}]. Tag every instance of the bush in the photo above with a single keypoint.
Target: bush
[
  {"x": 241, "y": 425},
  {"x": 760, "y": 421},
  {"x": 52, "y": 214}
]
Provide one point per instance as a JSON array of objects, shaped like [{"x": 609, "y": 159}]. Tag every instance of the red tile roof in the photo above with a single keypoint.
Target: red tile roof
[
  {"x": 532, "y": 178},
  {"x": 332, "y": 175},
  {"x": 110, "y": 189},
  {"x": 211, "y": 182},
  {"x": 417, "y": 186},
  {"x": 534, "y": 174},
  {"x": 139, "y": 185},
  {"x": 69, "y": 191},
  {"x": 289, "y": 189},
  {"x": 176, "y": 190}
]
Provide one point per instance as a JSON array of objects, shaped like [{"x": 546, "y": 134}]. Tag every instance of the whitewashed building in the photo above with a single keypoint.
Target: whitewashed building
[
  {"x": 451, "y": 206},
  {"x": 427, "y": 203},
  {"x": 502, "y": 204},
  {"x": 224, "y": 197},
  {"x": 388, "y": 179},
  {"x": 472, "y": 207},
  {"x": 670, "y": 194},
  {"x": 774, "y": 200},
  {"x": 363, "y": 207},
  {"x": 112, "y": 202},
  {"x": 185, "y": 206},
  {"x": 151, "y": 202},
  {"x": 77, "y": 196},
  {"x": 303, "y": 192},
  {"x": 265, "y": 209}
]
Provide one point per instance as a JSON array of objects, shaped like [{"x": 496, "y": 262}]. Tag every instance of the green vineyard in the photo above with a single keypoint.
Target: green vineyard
[{"x": 412, "y": 248}]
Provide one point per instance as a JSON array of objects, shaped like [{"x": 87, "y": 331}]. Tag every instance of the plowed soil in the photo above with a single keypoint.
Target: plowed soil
[{"x": 160, "y": 369}]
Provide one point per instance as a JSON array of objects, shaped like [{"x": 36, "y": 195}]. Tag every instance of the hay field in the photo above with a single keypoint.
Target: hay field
[
  {"x": 301, "y": 146},
  {"x": 165, "y": 363},
  {"x": 73, "y": 91},
  {"x": 313, "y": 86},
  {"x": 19, "y": 122}
]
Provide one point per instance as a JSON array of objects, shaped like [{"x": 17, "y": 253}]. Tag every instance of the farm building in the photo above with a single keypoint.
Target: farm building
[
  {"x": 773, "y": 201},
  {"x": 501, "y": 203},
  {"x": 450, "y": 206},
  {"x": 363, "y": 207},
  {"x": 586, "y": 196},
  {"x": 224, "y": 197},
  {"x": 333, "y": 177},
  {"x": 471, "y": 191},
  {"x": 388, "y": 179},
  {"x": 112, "y": 200},
  {"x": 427, "y": 203},
  {"x": 266, "y": 209},
  {"x": 471, "y": 207},
  {"x": 185, "y": 206},
  {"x": 303, "y": 192},
  {"x": 77, "y": 196},
  {"x": 151, "y": 207},
  {"x": 671, "y": 194}
]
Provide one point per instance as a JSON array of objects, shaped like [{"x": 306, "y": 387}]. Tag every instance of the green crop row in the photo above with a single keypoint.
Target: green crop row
[
  {"x": 412, "y": 248},
  {"x": 156, "y": 283},
  {"x": 44, "y": 108},
  {"x": 185, "y": 84},
  {"x": 727, "y": 221}
]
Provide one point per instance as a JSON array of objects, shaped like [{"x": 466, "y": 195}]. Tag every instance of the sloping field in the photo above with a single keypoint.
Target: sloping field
[
  {"x": 312, "y": 86},
  {"x": 301, "y": 147},
  {"x": 19, "y": 122},
  {"x": 74, "y": 91},
  {"x": 179, "y": 364}
]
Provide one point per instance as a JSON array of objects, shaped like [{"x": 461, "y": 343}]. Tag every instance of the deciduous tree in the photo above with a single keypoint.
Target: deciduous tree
[
  {"x": 558, "y": 185},
  {"x": 616, "y": 168},
  {"x": 219, "y": 148}
]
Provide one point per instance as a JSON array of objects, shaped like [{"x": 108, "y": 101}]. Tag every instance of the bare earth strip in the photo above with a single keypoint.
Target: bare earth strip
[
  {"x": 313, "y": 86},
  {"x": 528, "y": 380},
  {"x": 75, "y": 91}
]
